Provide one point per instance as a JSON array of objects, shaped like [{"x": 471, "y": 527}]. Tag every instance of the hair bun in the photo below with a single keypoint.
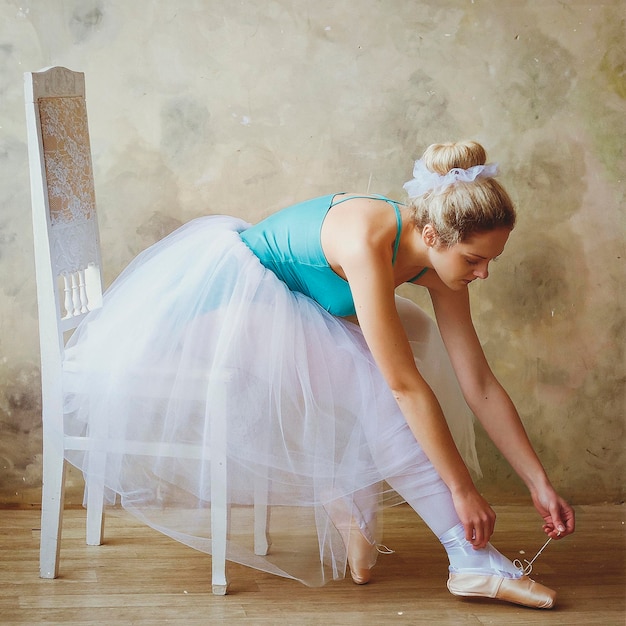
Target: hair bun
[{"x": 443, "y": 157}]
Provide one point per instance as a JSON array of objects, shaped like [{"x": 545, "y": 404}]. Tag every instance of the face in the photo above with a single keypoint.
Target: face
[{"x": 458, "y": 265}]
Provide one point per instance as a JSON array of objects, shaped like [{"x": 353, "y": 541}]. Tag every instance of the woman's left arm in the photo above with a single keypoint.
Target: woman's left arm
[{"x": 493, "y": 407}]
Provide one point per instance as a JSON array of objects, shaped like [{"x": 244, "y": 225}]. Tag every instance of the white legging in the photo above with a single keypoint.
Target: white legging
[{"x": 432, "y": 501}]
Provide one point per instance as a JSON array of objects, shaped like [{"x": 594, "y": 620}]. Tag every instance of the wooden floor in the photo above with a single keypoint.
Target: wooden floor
[{"x": 142, "y": 577}]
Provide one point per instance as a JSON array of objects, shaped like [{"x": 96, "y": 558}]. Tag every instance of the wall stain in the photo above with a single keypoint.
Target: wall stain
[
  {"x": 20, "y": 424},
  {"x": 86, "y": 19},
  {"x": 158, "y": 226},
  {"x": 185, "y": 123},
  {"x": 542, "y": 284}
]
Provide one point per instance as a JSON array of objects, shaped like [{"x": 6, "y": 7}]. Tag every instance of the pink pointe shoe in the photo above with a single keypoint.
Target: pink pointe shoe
[
  {"x": 361, "y": 553},
  {"x": 524, "y": 590}
]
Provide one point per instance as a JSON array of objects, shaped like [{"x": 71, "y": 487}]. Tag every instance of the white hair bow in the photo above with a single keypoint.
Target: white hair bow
[{"x": 424, "y": 180}]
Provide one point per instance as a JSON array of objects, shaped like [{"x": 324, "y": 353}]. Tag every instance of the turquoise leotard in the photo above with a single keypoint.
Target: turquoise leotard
[{"x": 289, "y": 244}]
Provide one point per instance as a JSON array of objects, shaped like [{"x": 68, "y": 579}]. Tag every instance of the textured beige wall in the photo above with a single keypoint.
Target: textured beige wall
[{"x": 243, "y": 107}]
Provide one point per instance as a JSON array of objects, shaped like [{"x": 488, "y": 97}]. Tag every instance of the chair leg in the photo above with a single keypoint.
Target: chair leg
[
  {"x": 219, "y": 524},
  {"x": 95, "y": 499},
  {"x": 219, "y": 489},
  {"x": 262, "y": 540},
  {"x": 52, "y": 497},
  {"x": 219, "y": 528}
]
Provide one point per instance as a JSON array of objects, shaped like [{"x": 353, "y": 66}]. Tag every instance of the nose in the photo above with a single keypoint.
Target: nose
[{"x": 482, "y": 271}]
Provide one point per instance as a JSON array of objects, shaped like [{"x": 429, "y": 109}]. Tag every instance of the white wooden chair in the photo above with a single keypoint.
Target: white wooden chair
[{"x": 69, "y": 285}]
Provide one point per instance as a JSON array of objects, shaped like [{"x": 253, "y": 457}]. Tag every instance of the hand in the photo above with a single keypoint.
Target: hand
[
  {"x": 558, "y": 515},
  {"x": 478, "y": 518}
]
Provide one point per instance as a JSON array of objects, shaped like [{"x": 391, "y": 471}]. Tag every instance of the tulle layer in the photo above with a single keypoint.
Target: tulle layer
[{"x": 308, "y": 415}]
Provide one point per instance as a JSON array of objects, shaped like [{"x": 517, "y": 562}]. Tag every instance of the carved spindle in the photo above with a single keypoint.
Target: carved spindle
[
  {"x": 67, "y": 296},
  {"x": 75, "y": 295},
  {"x": 82, "y": 292}
]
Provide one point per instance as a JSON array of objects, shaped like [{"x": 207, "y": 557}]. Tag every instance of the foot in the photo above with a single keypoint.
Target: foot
[
  {"x": 524, "y": 590},
  {"x": 361, "y": 554}
]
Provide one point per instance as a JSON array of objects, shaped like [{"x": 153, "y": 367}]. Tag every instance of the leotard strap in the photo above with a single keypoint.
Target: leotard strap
[{"x": 417, "y": 276}]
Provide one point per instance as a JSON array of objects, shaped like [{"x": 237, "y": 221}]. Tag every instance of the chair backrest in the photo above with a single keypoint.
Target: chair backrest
[{"x": 65, "y": 226}]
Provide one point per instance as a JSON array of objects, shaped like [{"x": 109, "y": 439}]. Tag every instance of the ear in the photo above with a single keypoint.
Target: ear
[{"x": 429, "y": 236}]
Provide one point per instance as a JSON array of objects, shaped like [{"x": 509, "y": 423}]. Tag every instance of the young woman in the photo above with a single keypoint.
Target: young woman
[{"x": 340, "y": 394}]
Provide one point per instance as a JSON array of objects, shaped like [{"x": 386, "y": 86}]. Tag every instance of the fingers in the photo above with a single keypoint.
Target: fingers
[
  {"x": 478, "y": 534},
  {"x": 551, "y": 531},
  {"x": 557, "y": 522},
  {"x": 478, "y": 518},
  {"x": 570, "y": 520},
  {"x": 557, "y": 514},
  {"x": 561, "y": 522},
  {"x": 481, "y": 541},
  {"x": 475, "y": 535}
]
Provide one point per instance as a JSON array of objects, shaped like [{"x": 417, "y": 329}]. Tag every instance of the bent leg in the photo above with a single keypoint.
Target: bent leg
[{"x": 424, "y": 490}]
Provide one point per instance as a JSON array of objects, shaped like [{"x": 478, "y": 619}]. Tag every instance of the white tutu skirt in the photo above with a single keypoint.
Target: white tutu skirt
[{"x": 308, "y": 415}]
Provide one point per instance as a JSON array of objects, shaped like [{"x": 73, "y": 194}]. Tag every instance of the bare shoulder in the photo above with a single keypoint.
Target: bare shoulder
[
  {"x": 367, "y": 213},
  {"x": 357, "y": 226}
]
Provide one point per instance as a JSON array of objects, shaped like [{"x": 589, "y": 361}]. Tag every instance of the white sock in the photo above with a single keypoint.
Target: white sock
[{"x": 465, "y": 559}]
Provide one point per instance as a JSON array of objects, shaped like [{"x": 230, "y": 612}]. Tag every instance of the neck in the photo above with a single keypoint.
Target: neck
[{"x": 413, "y": 253}]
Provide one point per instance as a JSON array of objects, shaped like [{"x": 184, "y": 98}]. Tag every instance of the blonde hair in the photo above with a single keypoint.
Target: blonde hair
[{"x": 462, "y": 208}]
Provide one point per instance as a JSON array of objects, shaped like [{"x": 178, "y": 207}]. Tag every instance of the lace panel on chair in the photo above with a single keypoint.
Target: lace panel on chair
[{"x": 69, "y": 172}]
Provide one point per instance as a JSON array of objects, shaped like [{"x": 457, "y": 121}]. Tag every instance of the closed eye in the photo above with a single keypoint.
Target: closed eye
[{"x": 476, "y": 262}]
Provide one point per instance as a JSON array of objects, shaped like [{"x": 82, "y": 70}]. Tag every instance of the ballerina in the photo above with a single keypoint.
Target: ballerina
[{"x": 337, "y": 384}]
